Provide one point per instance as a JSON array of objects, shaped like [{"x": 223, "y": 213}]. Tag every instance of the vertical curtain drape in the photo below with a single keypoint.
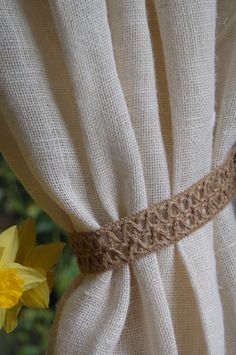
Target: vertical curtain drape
[{"x": 106, "y": 108}]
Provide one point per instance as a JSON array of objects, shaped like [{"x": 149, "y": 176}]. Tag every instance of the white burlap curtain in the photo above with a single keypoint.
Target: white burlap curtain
[{"x": 108, "y": 107}]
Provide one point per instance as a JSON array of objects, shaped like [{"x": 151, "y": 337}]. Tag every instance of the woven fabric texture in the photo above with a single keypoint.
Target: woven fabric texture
[
  {"x": 159, "y": 225},
  {"x": 108, "y": 107}
]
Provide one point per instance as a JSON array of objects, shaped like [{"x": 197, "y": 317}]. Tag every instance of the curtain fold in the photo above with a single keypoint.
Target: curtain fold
[{"x": 108, "y": 107}]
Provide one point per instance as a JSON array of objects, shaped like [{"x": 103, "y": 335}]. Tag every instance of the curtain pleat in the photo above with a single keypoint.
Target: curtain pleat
[{"x": 108, "y": 107}]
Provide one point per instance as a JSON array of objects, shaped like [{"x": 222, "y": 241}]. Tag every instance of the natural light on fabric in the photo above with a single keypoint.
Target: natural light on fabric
[{"x": 107, "y": 108}]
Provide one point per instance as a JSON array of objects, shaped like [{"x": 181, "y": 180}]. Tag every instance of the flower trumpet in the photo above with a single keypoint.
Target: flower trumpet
[{"x": 25, "y": 272}]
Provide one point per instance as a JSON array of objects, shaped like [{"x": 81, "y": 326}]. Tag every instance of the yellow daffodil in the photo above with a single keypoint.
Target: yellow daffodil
[
  {"x": 15, "y": 279},
  {"x": 40, "y": 257},
  {"x": 25, "y": 272}
]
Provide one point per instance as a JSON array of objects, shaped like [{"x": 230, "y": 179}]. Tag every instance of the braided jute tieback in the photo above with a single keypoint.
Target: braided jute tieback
[{"x": 158, "y": 226}]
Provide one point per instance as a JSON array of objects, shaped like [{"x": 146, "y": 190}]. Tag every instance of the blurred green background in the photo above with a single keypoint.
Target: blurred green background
[{"x": 31, "y": 334}]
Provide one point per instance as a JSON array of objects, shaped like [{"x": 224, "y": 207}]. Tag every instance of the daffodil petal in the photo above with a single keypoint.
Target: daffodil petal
[
  {"x": 45, "y": 255},
  {"x": 30, "y": 276},
  {"x": 10, "y": 322},
  {"x": 37, "y": 297},
  {"x": 2, "y": 316},
  {"x": 27, "y": 239},
  {"x": 50, "y": 279},
  {"x": 9, "y": 241},
  {"x": 1, "y": 252}
]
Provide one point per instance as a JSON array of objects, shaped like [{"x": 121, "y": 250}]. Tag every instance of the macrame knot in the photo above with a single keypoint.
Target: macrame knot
[{"x": 157, "y": 226}]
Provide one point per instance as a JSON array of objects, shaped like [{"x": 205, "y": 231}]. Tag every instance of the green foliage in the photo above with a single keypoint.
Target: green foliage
[
  {"x": 30, "y": 337},
  {"x": 31, "y": 334}
]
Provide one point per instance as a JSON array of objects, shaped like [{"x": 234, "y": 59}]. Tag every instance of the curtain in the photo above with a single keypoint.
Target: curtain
[{"x": 106, "y": 108}]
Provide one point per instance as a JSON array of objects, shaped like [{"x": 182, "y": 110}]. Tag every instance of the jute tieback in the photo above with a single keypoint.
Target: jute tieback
[{"x": 158, "y": 226}]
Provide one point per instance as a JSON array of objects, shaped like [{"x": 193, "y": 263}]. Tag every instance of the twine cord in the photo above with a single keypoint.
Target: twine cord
[{"x": 157, "y": 226}]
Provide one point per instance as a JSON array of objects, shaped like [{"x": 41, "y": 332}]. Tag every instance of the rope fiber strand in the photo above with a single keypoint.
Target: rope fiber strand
[{"x": 158, "y": 226}]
